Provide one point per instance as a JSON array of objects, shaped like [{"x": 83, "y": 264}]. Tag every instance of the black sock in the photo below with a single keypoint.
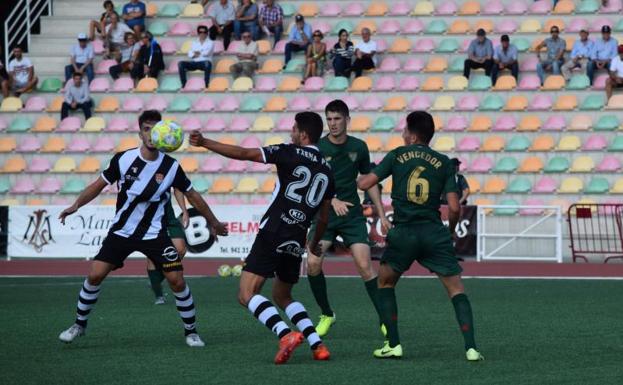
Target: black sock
[
  {"x": 464, "y": 317},
  {"x": 373, "y": 292},
  {"x": 155, "y": 280},
  {"x": 318, "y": 285}
]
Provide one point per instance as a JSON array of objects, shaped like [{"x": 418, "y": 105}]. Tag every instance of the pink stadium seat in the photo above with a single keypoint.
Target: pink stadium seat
[
  {"x": 424, "y": 45},
  {"x": 211, "y": 164},
  {"x": 545, "y": 185},
  {"x": 493, "y": 7},
  {"x": 266, "y": 84},
  {"x": 322, "y": 26},
  {"x": 381, "y": 45},
  {"x": 612, "y": 6},
  {"x": 215, "y": 124},
  {"x": 505, "y": 123},
  {"x": 3, "y": 124},
  {"x": 540, "y": 102},
  {"x": 203, "y": 104},
  {"x": 39, "y": 165},
  {"x": 413, "y": 64},
  {"x": 172, "y": 68},
  {"x": 285, "y": 123},
  {"x": 61, "y": 201},
  {"x": 239, "y": 123},
  {"x": 389, "y": 64},
  {"x": 104, "y": 143},
  {"x": 353, "y": 9},
  {"x": 191, "y": 123},
  {"x": 259, "y": 200},
  {"x": 330, "y": 9},
  {"x": 532, "y": 211},
  {"x": 465, "y": 45},
  {"x": 235, "y": 201},
  {"x": 98, "y": 47},
  {"x": 103, "y": 66},
  {"x": 371, "y": 103},
  {"x": 117, "y": 124},
  {"x": 555, "y": 123},
  {"x": 251, "y": 142},
  {"x": 233, "y": 46},
  {"x": 321, "y": 102},
  {"x": 540, "y": 7},
  {"x": 595, "y": 142},
  {"x": 399, "y": 8},
  {"x": 181, "y": 28},
  {"x": 389, "y": 27},
  {"x": 419, "y": 102},
  {"x": 194, "y": 84},
  {"x": 227, "y": 104},
  {"x": 168, "y": 47},
  {"x": 457, "y": 123},
  {"x": 481, "y": 164},
  {"x": 528, "y": 65},
  {"x": 259, "y": 167},
  {"x": 609, "y": 163},
  {"x": 598, "y": 23},
  {"x": 123, "y": 84},
  {"x": 446, "y": 8},
  {"x": 384, "y": 83},
  {"x": 577, "y": 24},
  {"x": 401, "y": 126},
  {"x": 314, "y": 84},
  {"x": 78, "y": 144},
  {"x": 23, "y": 185},
  {"x": 235, "y": 165},
  {"x": 157, "y": 102},
  {"x": 600, "y": 82},
  {"x": 280, "y": 47},
  {"x": 99, "y": 85},
  {"x": 517, "y": 7},
  {"x": 529, "y": 82},
  {"x": 351, "y": 102},
  {"x": 506, "y": 26},
  {"x": 132, "y": 104},
  {"x": 299, "y": 103},
  {"x": 69, "y": 124},
  {"x": 467, "y": 103},
  {"x": 49, "y": 185},
  {"x": 468, "y": 143},
  {"x": 35, "y": 104},
  {"x": 28, "y": 144},
  {"x": 408, "y": 83},
  {"x": 413, "y": 27},
  {"x": 218, "y": 47}
]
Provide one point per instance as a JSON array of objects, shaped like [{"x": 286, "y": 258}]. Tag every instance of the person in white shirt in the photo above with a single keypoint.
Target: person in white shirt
[
  {"x": 223, "y": 15},
  {"x": 81, "y": 58},
  {"x": 127, "y": 57},
  {"x": 364, "y": 53},
  {"x": 616, "y": 73},
  {"x": 247, "y": 57},
  {"x": 580, "y": 55},
  {"x": 114, "y": 38},
  {"x": 200, "y": 54},
  {"x": 21, "y": 73},
  {"x": 77, "y": 96}
]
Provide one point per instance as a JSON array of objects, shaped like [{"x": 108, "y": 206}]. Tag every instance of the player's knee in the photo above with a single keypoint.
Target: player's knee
[
  {"x": 177, "y": 284},
  {"x": 314, "y": 265},
  {"x": 95, "y": 278},
  {"x": 244, "y": 296},
  {"x": 181, "y": 251}
]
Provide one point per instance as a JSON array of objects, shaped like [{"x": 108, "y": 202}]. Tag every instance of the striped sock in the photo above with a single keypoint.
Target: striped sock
[
  {"x": 298, "y": 315},
  {"x": 267, "y": 314},
  {"x": 186, "y": 308},
  {"x": 86, "y": 299}
]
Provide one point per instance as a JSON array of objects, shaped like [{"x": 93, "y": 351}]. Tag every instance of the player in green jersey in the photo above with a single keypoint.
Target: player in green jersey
[
  {"x": 420, "y": 176},
  {"x": 178, "y": 237},
  {"x": 349, "y": 157}
]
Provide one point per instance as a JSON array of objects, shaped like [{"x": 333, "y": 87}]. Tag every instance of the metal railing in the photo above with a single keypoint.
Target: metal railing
[
  {"x": 596, "y": 230},
  {"x": 18, "y": 25}
]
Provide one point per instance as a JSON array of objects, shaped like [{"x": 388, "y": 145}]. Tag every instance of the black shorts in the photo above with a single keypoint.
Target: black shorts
[
  {"x": 115, "y": 249},
  {"x": 275, "y": 255},
  {"x": 3, "y": 74}
]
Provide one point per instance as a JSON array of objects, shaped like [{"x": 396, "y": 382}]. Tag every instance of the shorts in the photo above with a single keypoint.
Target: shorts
[
  {"x": 3, "y": 74},
  {"x": 174, "y": 227},
  {"x": 275, "y": 255},
  {"x": 352, "y": 228},
  {"x": 428, "y": 243},
  {"x": 115, "y": 249}
]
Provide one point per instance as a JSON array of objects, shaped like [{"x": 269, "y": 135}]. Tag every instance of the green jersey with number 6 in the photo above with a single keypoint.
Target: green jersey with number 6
[{"x": 419, "y": 176}]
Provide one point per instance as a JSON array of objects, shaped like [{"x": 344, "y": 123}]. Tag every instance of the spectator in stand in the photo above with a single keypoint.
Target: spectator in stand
[
  {"x": 461, "y": 183},
  {"x": 300, "y": 37},
  {"x": 223, "y": 15},
  {"x": 616, "y": 73},
  {"x": 134, "y": 15},
  {"x": 246, "y": 20},
  {"x": 604, "y": 50},
  {"x": 247, "y": 57},
  {"x": 149, "y": 61},
  {"x": 200, "y": 54},
  {"x": 114, "y": 38},
  {"x": 105, "y": 20},
  {"x": 270, "y": 19},
  {"x": 316, "y": 56},
  {"x": 342, "y": 54},
  {"x": 364, "y": 53},
  {"x": 479, "y": 54},
  {"x": 580, "y": 55},
  {"x": 128, "y": 57},
  {"x": 505, "y": 57},
  {"x": 77, "y": 96},
  {"x": 555, "y": 51},
  {"x": 4, "y": 79},
  {"x": 22, "y": 77},
  {"x": 82, "y": 55}
]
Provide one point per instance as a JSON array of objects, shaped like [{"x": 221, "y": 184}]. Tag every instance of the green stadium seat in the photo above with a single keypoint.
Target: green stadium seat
[
  {"x": 5, "y": 185},
  {"x": 521, "y": 185},
  {"x": 19, "y": 124},
  {"x": 506, "y": 165},
  {"x": 491, "y": 103},
  {"x": 592, "y": 103},
  {"x": 289, "y": 10},
  {"x": 158, "y": 28},
  {"x": 522, "y": 44},
  {"x": 336, "y": 84},
  {"x": 479, "y": 83},
  {"x": 607, "y": 123},
  {"x": 588, "y": 6},
  {"x": 557, "y": 164},
  {"x": 448, "y": 45},
  {"x": 73, "y": 186},
  {"x": 457, "y": 65},
  {"x": 170, "y": 10},
  {"x": 342, "y": 24},
  {"x": 597, "y": 185},
  {"x": 518, "y": 143},
  {"x": 295, "y": 65},
  {"x": 180, "y": 104},
  {"x": 578, "y": 82},
  {"x": 201, "y": 185},
  {"x": 51, "y": 85},
  {"x": 384, "y": 124},
  {"x": 618, "y": 27},
  {"x": 507, "y": 210},
  {"x": 251, "y": 104},
  {"x": 119, "y": 9},
  {"x": 170, "y": 84},
  {"x": 617, "y": 144},
  {"x": 436, "y": 27}
]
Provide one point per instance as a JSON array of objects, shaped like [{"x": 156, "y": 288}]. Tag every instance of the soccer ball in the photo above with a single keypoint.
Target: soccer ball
[
  {"x": 167, "y": 136},
  {"x": 224, "y": 271},
  {"x": 236, "y": 270}
]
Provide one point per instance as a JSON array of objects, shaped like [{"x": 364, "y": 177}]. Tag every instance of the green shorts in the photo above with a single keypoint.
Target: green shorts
[
  {"x": 428, "y": 243},
  {"x": 174, "y": 227},
  {"x": 351, "y": 227}
]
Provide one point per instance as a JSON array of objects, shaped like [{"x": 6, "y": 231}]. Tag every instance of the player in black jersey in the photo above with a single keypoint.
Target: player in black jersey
[
  {"x": 304, "y": 188},
  {"x": 144, "y": 177}
]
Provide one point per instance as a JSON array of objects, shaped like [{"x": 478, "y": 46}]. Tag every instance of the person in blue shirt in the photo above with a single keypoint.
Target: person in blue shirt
[
  {"x": 300, "y": 37},
  {"x": 134, "y": 16},
  {"x": 504, "y": 57},
  {"x": 580, "y": 55},
  {"x": 605, "y": 49},
  {"x": 479, "y": 54},
  {"x": 555, "y": 49}
]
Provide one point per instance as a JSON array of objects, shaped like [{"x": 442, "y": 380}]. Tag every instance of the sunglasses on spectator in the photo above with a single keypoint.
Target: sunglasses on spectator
[{"x": 203, "y": 31}]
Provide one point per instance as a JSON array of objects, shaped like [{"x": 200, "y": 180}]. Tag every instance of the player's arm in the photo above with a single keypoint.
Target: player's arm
[
  {"x": 227, "y": 150},
  {"x": 454, "y": 210},
  {"x": 181, "y": 201},
  {"x": 322, "y": 220},
  {"x": 195, "y": 199},
  {"x": 86, "y": 196},
  {"x": 375, "y": 196},
  {"x": 366, "y": 182}
]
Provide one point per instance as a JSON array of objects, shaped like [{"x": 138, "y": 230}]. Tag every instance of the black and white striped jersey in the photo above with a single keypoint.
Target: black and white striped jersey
[{"x": 144, "y": 190}]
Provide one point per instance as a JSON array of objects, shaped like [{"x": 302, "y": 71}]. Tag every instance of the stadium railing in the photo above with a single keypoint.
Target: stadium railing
[
  {"x": 18, "y": 25},
  {"x": 597, "y": 230}
]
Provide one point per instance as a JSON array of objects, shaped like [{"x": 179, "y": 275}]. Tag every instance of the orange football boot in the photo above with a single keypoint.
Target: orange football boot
[
  {"x": 287, "y": 344},
  {"x": 321, "y": 353}
]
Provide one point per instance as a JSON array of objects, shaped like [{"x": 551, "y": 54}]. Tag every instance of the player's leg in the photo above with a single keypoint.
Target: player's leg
[
  {"x": 155, "y": 281},
  {"x": 363, "y": 262},
  {"x": 156, "y": 276},
  {"x": 318, "y": 282}
]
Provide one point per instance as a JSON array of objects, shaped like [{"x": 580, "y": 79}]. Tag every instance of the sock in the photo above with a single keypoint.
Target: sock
[
  {"x": 186, "y": 308},
  {"x": 464, "y": 317},
  {"x": 155, "y": 280},
  {"x": 389, "y": 311},
  {"x": 86, "y": 299},
  {"x": 318, "y": 285},
  {"x": 373, "y": 292},
  {"x": 266, "y": 313},
  {"x": 298, "y": 315}
]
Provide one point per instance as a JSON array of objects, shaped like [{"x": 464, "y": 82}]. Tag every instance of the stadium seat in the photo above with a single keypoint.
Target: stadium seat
[
  {"x": 467, "y": 103},
  {"x": 168, "y": 84},
  {"x": 491, "y": 103},
  {"x": 24, "y": 185},
  {"x": 268, "y": 185},
  {"x": 360, "y": 124},
  {"x": 383, "y": 124},
  {"x": 73, "y": 186},
  {"x": 361, "y": 84},
  {"x": 238, "y": 124},
  {"x": 395, "y": 103},
  {"x": 518, "y": 144},
  {"x": 436, "y": 27},
  {"x": 553, "y": 83},
  {"x": 557, "y": 165},
  {"x": 384, "y": 83},
  {"x": 580, "y": 122},
  {"x": 51, "y": 85},
  {"x": 617, "y": 188},
  {"x": 64, "y": 164},
  {"x": 529, "y": 82},
  {"x": 571, "y": 185},
  {"x": 251, "y": 104},
  {"x": 14, "y": 164},
  {"x": 127, "y": 143},
  {"x": 394, "y": 142},
  {"x": 299, "y": 103},
  {"x": 469, "y": 8},
  {"x": 492, "y": 8},
  {"x": 19, "y": 124},
  {"x": 592, "y": 103},
  {"x": 615, "y": 102},
  {"x": 531, "y": 164},
  {"x": 609, "y": 163},
  {"x": 480, "y": 123},
  {"x": 26, "y": 144},
  {"x": 530, "y": 26},
  {"x": 493, "y": 143},
  {"x": 276, "y": 104},
  {"x": 420, "y": 102},
  {"x": 432, "y": 83},
  {"x": 117, "y": 125},
  {"x": 459, "y": 27},
  {"x": 94, "y": 124},
  {"x": 469, "y": 144},
  {"x": 494, "y": 185},
  {"x": 540, "y": 102},
  {"x": 69, "y": 124},
  {"x": 49, "y": 185},
  {"x": 336, "y": 84},
  {"x": 506, "y": 26},
  {"x": 413, "y": 27},
  {"x": 616, "y": 144},
  {"x": 485, "y": 24},
  {"x": 444, "y": 144},
  {"x": 529, "y": 123},
  {"x": 104, "y": 144},
  {"x": 457, "y": 83},
  {"x": 555, "y": 123},
  {"x": 597, "y": 185},
  {"x": 8, "y": 144},
  {"x": 582, "y": 164},
  {"x": 516, "y": 103},
  {"x": 565, "y": 103},
  {"x": 54, "y": 144},
  {"x": 545, "y": 185},
  {"x": 542, "y": 143},
  {"x": 158, "y": 28},
  {"x": 423, "y": 8},
  {"x": 182, "y": 104},
  {"x": 123, "y": 84},
  {"x": 289, "y": 84},
  {"x": 108, "y": 104},
  {"x": 374, "y": 143},
  {"x": 505, "y": 83},
  {"x": 578, "y": 82},
  {"x": 504, "y": 123},
  {"x": 569, "y": 143},
  {"x": 506, "y": 165},
  {"x": 247, "y": 185},
  {"x": 607, "y": 123},
  {"x": 190, "y": 123},
  {"x": 314, "y": 84},
  {"x": 132, "y": 104},
  {"x": 457, "y": 123},
  {"x": 448, "y": 45},
  {"x": 446, "y": 8},
  {"x": 56, "y": 104},
  {"x": 33, "y": 104},
  {"x": 389, "y": 27},
  {"x": 89, "y": 164},
  {"x": 510, "y": 210},
  {"x": 425, "y": 45},
  {"x": 399, "y": 8},
  {"x": 227, "y": 104}
]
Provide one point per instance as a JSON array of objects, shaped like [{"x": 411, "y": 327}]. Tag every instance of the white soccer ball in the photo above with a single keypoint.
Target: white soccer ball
[
  {"x": 236, "y": 270},
  {"x": 167, "y": 135},
  {"x": 224, "y": 271}
]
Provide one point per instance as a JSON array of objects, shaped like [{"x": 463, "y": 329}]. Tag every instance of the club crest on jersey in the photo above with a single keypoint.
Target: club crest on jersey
[
  {"x": 134, "y": 170},
  {"x": 290, "y": 247},
  {"x": 159, "y": 178},
  {"x": 352, "y": 156}
]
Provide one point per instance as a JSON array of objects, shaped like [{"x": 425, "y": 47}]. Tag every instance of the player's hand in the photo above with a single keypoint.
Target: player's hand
[
  {"x": 340, "y": 207},
  {"x": 196, "y": 139},
  {"x": 314, "y": 249},
  {"x": 219, "y": 229},
  {"x": 67, "y": 212},
  {"x": 386, "y": 225},
  {"x": 185, "y": 218}
]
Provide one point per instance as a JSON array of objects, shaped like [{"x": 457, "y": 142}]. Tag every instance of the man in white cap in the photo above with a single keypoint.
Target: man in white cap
[{"x": 81, "y": 58}]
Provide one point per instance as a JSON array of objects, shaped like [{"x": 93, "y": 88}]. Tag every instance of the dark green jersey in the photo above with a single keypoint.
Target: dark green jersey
[
  {"x": 347, "y": 161},
  {"x": 420, "y": 175}
]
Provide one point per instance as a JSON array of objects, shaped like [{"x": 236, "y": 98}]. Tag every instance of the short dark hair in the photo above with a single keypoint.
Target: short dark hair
[
  {"x": 202, "y": 28},
  {"x": 337, "y": 105},
  {"x": 342, "y": 31},
  {"x": 421, "y": 124},
  {"x": 504, "y": 38},
  {"x": 128, "y": 35},
  {"x": 309, "y": 123},
  {"x": 149, "y": 116},
  {"x": 108, "y": 2},
  {"x": 77, "y": 73}
]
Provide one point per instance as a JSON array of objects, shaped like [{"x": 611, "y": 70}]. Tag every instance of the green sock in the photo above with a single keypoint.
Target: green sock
[
  {"x": 318, "y": 285},
  {"x": 155, "y": 280},
  {"x": 372, "y": 287},
  {"x": 464, "y": 317},
  {"x": 389, "y": 311}
]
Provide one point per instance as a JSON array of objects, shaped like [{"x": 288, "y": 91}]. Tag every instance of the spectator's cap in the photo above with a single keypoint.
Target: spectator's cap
[
  {"x": 505, "y": 38},
  {"x": 455, "y": 161},
  {"x": 620, "y": 49},
  {"x": 480, "y": 32},
  {"x": 82, "y": 36},
  {"x": 298, "y": 18},
  {"x": 606, "y": 29}
]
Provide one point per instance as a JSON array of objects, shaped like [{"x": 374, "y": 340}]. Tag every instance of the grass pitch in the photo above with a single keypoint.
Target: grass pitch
[{"x": 530, "y": 331}]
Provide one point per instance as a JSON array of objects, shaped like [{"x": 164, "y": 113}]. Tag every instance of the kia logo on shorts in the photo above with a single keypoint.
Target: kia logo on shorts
[{"x": 297, "y": 214}]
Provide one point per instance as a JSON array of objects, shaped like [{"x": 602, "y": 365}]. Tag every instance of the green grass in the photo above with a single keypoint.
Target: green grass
[{"x": 530, "y": 331}]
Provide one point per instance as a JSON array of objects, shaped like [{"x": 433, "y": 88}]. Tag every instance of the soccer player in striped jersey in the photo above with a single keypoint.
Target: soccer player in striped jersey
[
  {"x": 144, "y": 177},
  {"x": 304, "y": 188}
]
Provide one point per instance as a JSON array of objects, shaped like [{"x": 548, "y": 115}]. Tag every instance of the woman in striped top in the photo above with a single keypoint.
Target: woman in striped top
[{"x": 342, "y": 54}]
